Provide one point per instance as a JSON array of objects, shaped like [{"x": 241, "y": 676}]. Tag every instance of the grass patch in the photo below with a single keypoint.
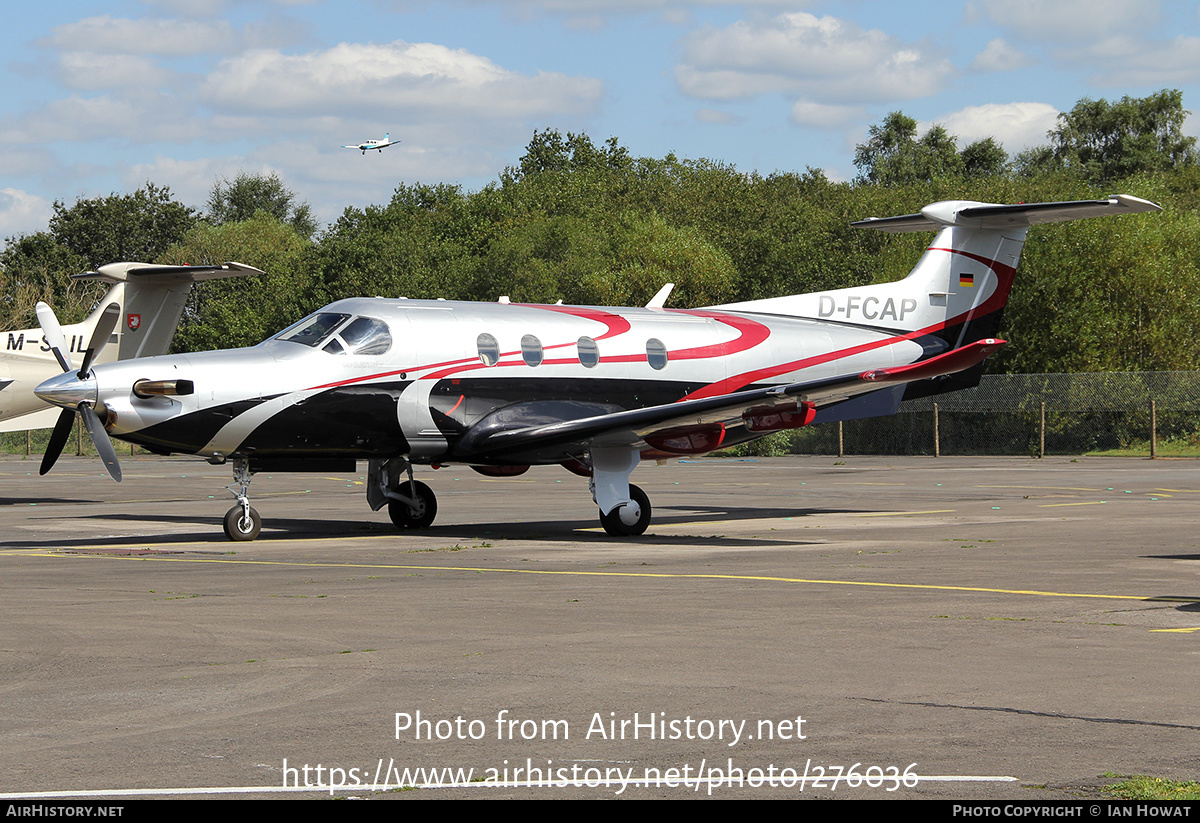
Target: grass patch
[
  {"x": 1165, "y": 448},
  {"x": 1154, "y": 788}
]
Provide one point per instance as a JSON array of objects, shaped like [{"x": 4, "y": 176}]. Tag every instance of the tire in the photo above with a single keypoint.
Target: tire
[
  {"x": 236, "y": 527},
  {"x": 414, "y": 517},
  {"x": 614, "y": 525}
]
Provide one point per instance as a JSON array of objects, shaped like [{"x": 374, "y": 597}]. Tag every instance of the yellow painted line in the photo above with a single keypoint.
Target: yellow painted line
[
  {"x": 580, "y": 573},
  {"x": 1178, "y": 631},
  {"x": 1178, "y": 490},
  {"x": 1060, "y": 488},
  {"x": 900, "y": 514},
  {"x": 1053, "y": 505}
]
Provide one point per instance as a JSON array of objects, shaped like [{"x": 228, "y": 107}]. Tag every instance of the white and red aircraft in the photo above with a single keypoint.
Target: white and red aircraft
[
  {"x": 504, "y": 386},
  {"x": 141, "y": 308},
  {"x": 374, "y": 145}
]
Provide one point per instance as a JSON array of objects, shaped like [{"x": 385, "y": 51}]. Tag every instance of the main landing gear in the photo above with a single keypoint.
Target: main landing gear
[
  {"x": 630, "y": 519},
  {"x": 411, "y": 504},
  {"x": 624, "y": 508},
  {"x": 242, "y": 522}
]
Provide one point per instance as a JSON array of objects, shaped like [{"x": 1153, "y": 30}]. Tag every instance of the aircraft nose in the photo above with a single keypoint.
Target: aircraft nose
[{"x": 68, "y": 391}]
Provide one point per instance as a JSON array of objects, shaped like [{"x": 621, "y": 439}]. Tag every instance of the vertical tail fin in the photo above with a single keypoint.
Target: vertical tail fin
[
  {"x": 960, "y": 285},
  {"x": 154, "y": 297}
]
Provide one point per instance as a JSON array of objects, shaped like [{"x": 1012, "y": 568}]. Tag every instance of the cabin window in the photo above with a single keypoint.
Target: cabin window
[
  {"x": 589, "y": 352},
  {"x": 489, "y": 349},
  {"x": 656, "y": 353},
  {"x": 531, "y": 350}
]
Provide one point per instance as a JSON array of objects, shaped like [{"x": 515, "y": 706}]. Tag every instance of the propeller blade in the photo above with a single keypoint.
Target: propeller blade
[
  {"x": 104, "y": 329},
  {"x": 58, "y": 439},
  {"x": 53, "y": 334},
  {"x": 104, "y": 446}
]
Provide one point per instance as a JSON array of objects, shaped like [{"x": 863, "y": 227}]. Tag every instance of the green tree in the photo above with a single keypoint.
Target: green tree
[
  {"x": 1105, "y": 141},
  {"x": 984, "y": 158},
  {"x": 132, "y": 227},
  {"x": 37, "y": 267},
  {"x": 241, "y": 311},
  {"x": 894, "y": 155},
  {"x": 239, "y": 199}
]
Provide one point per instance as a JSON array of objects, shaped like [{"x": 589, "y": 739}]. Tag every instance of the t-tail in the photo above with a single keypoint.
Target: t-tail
[
  {"x": 959, "y": 287},
  {"x": 152, "y": 298}
]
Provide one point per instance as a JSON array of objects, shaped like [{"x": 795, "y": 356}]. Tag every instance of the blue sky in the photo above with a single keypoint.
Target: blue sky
[{"x": 102, "y": 97}]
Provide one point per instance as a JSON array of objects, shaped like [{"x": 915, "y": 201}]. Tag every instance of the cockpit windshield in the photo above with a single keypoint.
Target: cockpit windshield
[
  {"x": 313, "y": 329},
  {"x": 332, "y": 334}
]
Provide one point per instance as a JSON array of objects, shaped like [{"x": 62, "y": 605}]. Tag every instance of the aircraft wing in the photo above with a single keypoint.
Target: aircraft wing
[{"x": 646, "y": 426}]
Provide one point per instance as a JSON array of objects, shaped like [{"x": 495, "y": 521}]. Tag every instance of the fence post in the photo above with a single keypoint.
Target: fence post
[
  {"x": 1153, "y": 432},
  {"x": 79, "y": 439},
  {"x": 937, "y": 438},
  {"x": 841, "y": 451},
  {"x": 1042, "y": 432},
  {"x": 28, "y": 442}
]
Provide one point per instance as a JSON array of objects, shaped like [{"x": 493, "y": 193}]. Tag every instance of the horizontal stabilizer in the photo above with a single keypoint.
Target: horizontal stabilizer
[
  {"x": 123, "y": 272},
  {"x": 976, "y": 215}
]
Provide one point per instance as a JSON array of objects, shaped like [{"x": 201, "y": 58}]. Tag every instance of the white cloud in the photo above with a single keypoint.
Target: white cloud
[
  {"x": 998, "y": 55},
  {"x": 806, "y": 113},
  {"x": 399, "y": 78},
  {"x": 1069, "y": 20},
  {"x": 22, "y": 212},
  {"x": 715, "y": 116},
  {"x": 1126, "y": 61},
  {"x": 92, "y": 70},
  {"x": 1016, "y": 126},
  {"x": 167, "y": 38},
  {"x": 822, "y": 59}
]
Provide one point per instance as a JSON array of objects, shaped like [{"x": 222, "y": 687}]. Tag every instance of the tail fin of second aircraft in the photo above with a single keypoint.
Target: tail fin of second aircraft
[{"x": 152, "y": 300}]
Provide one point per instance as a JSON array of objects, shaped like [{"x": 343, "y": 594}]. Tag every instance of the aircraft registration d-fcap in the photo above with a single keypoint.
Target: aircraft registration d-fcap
[
  {"x": 501, "y": 387},
  {"x": 150, "y": 300},
  {"x": 376, "y": 145}
]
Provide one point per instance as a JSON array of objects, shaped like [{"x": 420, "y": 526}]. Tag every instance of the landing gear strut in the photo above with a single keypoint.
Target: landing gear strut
[
  {"x": 242, "y": 522},
  {"x": 411, "y": 504}
]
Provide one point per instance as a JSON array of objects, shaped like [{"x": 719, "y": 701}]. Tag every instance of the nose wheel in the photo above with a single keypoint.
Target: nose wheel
[{"x": 242, "y": 523}]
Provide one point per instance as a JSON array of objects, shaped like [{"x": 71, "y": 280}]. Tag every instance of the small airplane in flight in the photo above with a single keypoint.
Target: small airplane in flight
[
  {"x": 503, "y": 386},
  {"x": 378, "y": 145},
  {"x": 151, "y": 299}
]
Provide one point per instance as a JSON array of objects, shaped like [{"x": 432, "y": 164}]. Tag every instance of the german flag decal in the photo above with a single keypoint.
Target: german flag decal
[{"x": 966, "y": 281}]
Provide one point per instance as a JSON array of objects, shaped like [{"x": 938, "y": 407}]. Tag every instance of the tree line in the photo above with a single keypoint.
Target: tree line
[{"x": 593, "y": 224}]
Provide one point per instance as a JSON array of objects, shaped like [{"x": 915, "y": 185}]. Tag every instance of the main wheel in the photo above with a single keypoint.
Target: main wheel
[
  {"x": 416, "y": 516},
  {"x": 630, "y": 519},
  {"x": 238, "y": 527}
]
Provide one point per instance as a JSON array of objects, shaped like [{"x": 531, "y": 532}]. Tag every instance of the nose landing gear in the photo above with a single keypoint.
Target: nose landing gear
[{"x": 241, "y": 522}]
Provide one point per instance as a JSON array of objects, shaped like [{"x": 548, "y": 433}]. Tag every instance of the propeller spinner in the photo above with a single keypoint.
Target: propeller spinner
[{"x": 76, "y": 392}]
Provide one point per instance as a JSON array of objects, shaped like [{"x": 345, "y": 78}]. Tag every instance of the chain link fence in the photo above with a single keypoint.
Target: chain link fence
[
  {"x": 1147, "y": 413},
  {"x": 1150, "y": 413}
]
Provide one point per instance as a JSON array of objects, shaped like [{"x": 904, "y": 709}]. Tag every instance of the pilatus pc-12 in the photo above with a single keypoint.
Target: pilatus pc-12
[{"x": 501, "y": 387}]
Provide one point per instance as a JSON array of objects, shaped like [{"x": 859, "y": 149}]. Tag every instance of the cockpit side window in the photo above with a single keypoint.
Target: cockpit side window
[{"x": 367, "y": 336}]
